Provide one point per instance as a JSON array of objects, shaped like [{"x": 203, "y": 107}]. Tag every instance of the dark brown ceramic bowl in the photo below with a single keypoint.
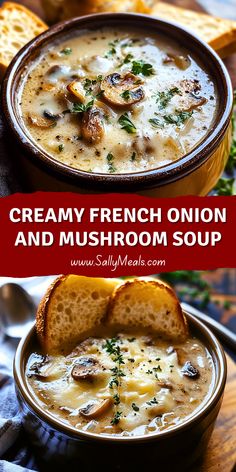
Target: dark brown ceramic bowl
[
  {"x": 173, "y": 449},
  {"x": 196, "y": 173}
]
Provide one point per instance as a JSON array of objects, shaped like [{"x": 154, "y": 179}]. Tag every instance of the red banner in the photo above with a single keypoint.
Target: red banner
[{"x": 114, "y": 235}]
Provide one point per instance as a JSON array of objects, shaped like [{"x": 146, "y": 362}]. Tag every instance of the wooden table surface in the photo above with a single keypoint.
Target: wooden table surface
[{"x": 221, "y": 452}]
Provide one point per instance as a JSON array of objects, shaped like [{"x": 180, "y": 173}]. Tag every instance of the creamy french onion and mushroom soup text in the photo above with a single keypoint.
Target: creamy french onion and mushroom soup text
[
  {"x": 124, "y": 385},
  {"x": 117, "y": 102}
]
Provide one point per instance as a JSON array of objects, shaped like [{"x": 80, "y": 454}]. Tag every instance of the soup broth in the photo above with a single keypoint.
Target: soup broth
[
  {"x": 117, "y": 102},
  {"x": 127, "y": 385}
]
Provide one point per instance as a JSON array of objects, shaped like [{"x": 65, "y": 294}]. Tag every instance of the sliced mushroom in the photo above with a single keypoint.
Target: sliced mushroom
[
  {"x": 77, "y": 90},
  {"x": 94, "y": 410},
  {"x": 86, "y": 368},
  {"x": 190, "y": 371},
  {"x": 190, "y": 99},
  {"x": 48, "y": 87},
  {"x": 188, "y": 85},
  {"x": 54, "y": 116},
  {"x": 122, "y": 90},
  {"x": 182, "y": 62},
  {"x": 165, "y": 384},
  {"x": 40, "y": 121},
  {"x": 92, "y": 128},
  {"x": 41, "y": 369}
]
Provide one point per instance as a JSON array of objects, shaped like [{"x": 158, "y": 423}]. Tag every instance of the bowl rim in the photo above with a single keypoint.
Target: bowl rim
[
  {"x": 138, "y": 180},
  {"x": 220, "y": 371}
]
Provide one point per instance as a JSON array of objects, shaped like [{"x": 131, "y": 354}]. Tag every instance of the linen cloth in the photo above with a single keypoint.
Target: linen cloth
[{"x": 15, "y": 452}]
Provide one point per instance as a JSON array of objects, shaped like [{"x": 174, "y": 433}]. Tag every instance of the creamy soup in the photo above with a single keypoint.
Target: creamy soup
[
  {"x": 124, "y": 385},
  {"x": 117, "y": 102}
]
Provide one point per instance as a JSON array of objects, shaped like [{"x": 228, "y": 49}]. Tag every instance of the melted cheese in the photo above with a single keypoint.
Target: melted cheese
[
  {"x": 89, "y": 56},
  {"x": 149, "y": 394}
]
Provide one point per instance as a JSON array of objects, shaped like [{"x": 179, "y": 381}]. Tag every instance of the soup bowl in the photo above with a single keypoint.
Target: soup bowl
[
  {"x": 58, "y": 444},
  {"x": 195, "y": 173}
]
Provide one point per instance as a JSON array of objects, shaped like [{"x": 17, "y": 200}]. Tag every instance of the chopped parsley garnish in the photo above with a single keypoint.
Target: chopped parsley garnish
[
  {"x": 163, "y": 98},
  {"x": 110, "y": 161},
  {"x": 81, "y": 107},
  {"x": 156, "y": 122},
  {"x": 128, "y": 58},
  {"x": 179, "y": 118},
  {"x": 152, "y": 402},
  {"x": 115, "y": 420},
  {"x": 171, "y": 366},
  {"x": 126, "y": 124},
  {"x": 126, "y": 95},
  {"x": 88, "y": 85},
  {"x": 131, "y": 340},
  {"x": 131, "y": 359},
  {"x": 133, "y": 157},
  {"x": 135, "y": 407},
  {"x": 157, "y": 369},
  {"x": 61, "y": 147},
  {"x": 111, "y": 52},
  {"x": 149, "y": 371},
  {"x": 141, "y": 67},
  {"x": 66, "y": 51}
]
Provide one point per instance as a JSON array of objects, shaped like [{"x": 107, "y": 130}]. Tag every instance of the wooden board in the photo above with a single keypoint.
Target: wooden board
[{"x": 221, "y": 453}]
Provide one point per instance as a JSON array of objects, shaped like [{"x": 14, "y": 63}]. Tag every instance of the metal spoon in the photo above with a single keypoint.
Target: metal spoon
[
  {"x": 224, "y": 334},
  {"x": 17, "y": 310}
]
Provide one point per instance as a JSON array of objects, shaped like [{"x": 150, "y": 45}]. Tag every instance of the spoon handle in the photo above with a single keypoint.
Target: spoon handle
[{"x": 224, "y": 334}]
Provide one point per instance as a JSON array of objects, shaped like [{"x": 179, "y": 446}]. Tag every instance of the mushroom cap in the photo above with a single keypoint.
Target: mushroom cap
[
  {"x": 122, "y": 90},
  {"x": 92, "y": 128},
  {"x": 85, "y": 368},
  {"x": 94, "y": 410}
]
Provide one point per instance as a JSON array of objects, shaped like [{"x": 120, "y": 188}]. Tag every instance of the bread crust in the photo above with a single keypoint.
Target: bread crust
[
  {"x": 42, "y": 320},
  {"x": 11, "y": 6},
  {"x": 6, "y": 30},
  {"x": 42, "y": 312},
  {"x": 217, "y": 32},
  {"x": 154, "y": 283}
]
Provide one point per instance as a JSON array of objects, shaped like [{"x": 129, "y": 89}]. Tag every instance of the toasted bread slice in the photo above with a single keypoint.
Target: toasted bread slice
[
  {"x": 57, "y": 10},
  {"x": 72, "y": 306},
  {"x": 148, "y": 304},
  {"x": 18, "y": 26},
  {"x": 217, "y": 32}
]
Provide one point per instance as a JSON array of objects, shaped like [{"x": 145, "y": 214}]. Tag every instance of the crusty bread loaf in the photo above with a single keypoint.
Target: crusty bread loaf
[
  {"x": 218, "y": 32},
  {"x": 57, "y": 10},
  {"x": 18, "y": 26},
  {"x": 71, "y": 307},
  {"x": 148, "y": 304}
]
